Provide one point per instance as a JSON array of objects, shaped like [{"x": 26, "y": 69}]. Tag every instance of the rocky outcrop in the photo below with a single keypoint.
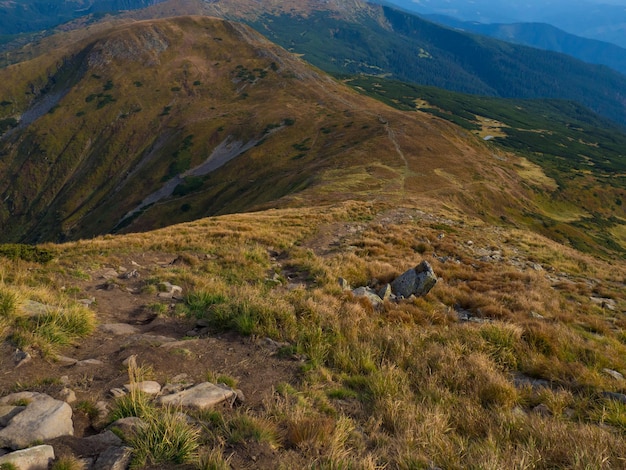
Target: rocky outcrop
[{"x": 417, "y": 281}]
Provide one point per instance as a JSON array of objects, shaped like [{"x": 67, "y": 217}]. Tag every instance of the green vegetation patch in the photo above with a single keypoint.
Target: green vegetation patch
[{"x": 26, "y": 253}]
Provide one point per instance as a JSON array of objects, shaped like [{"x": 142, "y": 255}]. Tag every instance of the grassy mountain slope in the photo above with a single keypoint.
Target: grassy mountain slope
[
  {"x": 357, "y": 37},
  {"x": 155, "y": 122},
  {"x": 548, "y": 37},
  {"x": 372, "y": 39},
  {"x": 582, "y": 153},
  {"x": 339, "y": 383}
]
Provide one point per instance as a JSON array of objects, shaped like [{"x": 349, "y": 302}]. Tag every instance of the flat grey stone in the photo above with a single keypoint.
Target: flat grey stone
[
  {"x": 42, "y": 419},
  {"x": 149, "y": 387},
  {"x": 34, "y": 458},
  {"x": 201, "y": 396},
  {"x": 114, "y": 458}
]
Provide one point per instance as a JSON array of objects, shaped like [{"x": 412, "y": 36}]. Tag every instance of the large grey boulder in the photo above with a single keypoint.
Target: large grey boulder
[
  {"x": 35, "y": 458},
  {"x": 201, "y": 396},
  {"x": 114, "y": 458},
  {"x": 417, "y": 281},
  {"x": 42, "y": 419}
]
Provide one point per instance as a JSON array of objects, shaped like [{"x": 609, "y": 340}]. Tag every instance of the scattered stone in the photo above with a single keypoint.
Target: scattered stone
[
  {"x": 89, "y": 362},
  {"x": 345, "y": 285},
  {"x": 67, "y": 395},
  {"x": 603, "y": 302},
  {"x": 386, "y": 293},
  {"x": 114, "y": 458},
  {"x": 417, "y": 281},
  {"x": 130, "y": 360},
  {"x": 129, "y": 274},
  {"x": 201, "y": 396},
  {"x": 240, "y": 397},
  {"x": 127, "y": 426},
  {"x": 537, "y": 316},
  {"x": 35, "y": 458},
  {"x": 87, "y": 302},
  {"x": 542, "y": 410},
  {"x": 168, "y": 290},
  {"x": 42, "y": 419},
  {"x": 117, "y": 392},
  {"x": 369, "y": 293},
  {"x": 66, "y": 361},
  {"x": 21, "y": 358},
  {"x": 104, "y": 439},
  {"x": 119, "y": 329},
  {"x": 149, "y": 387},
  {"x": 615, "y": 396},
  {"x": 613, "y": 373}
]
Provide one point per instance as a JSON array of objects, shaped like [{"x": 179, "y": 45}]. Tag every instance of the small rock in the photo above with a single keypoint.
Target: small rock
[
  {"x": 34, "y": 309},
  {"x": 34, "y": 458},
  {"x": 613, "y": 373},
  {"x": 148, "y": 387},
  {"x": 127, "y": 426},
  {"x": 89, "y": 362},
  {"x": 605, "y": 303},
  {"x": 67, "y": 395},
  {"x": 87, "y": 302},
  {"x": 114, "y": 458},
  {"x": 369, "y": 293},
  {"x": 241, "y": 398},
  {"x": 542, "y": 410},
  {"x": 100, "y": 442},
  {"x": 21, "y": 358},
  {"x": 345, "y": 285},
  {"x": 201, "y": 396},
  {"x": 66, "y": 361},
  {"x": 537, "y": 316},
  {"x": 130, "y": 360},
  {"x": 167, "y": 287},
  {"x": 117, "y": 392},
  {"x": 385, "y": 293},
  {"x": 129, "y": 274}
]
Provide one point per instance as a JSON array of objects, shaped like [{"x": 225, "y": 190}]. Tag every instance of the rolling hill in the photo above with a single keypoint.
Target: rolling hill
[{"x": 548, "y": 37}]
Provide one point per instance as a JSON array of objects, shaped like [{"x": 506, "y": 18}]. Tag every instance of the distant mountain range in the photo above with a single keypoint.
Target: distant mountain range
[
  {"x": 26, "y": 16},
  {"x": 600, "y": 19},
  {"x": 545, "y": 36}
]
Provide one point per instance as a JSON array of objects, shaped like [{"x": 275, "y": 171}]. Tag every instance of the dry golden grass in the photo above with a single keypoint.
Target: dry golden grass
[{"x": 407, "y": 385}]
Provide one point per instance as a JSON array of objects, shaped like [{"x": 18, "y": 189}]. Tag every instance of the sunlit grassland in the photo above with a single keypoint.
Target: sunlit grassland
[{"x": 407, "y": 385}]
